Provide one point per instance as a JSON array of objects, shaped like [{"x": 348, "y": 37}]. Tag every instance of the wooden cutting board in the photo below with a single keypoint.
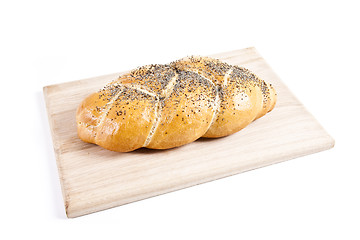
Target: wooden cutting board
[{"x": 95, "y": 179}]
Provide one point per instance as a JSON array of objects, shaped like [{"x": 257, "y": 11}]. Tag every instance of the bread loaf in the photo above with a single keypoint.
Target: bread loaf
[{"x": 166, "y": 106}]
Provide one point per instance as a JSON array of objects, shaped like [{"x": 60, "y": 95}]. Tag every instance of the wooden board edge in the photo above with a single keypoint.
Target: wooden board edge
[
  {"x": 47, "y": 99},
  {"x": 328, "y": 143}
]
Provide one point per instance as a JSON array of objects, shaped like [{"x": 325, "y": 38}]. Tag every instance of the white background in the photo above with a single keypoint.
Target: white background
[{"x": 312, "y": 45}]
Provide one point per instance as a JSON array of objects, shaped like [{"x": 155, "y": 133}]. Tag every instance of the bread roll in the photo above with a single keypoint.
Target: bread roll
[{"x": 166, "y": 106}]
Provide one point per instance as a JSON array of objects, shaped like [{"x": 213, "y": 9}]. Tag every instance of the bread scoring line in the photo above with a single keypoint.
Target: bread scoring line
[
  {"x": 226, "y": 76},
  {"x": 217, "y": 100},
  {"x": 140, "y": 89},
  {"x": 170, "y": 86},
  {"x": 157, "y": 113},
  {"x": 157, "y": 117},
  {"x": 158, "y": 110},
  {"x": 108, "y": 107},
  {"x": 196, "y": 72}
]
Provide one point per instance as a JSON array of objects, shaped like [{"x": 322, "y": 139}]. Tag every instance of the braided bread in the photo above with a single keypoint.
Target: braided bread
[{"x": 165, "y": 106}]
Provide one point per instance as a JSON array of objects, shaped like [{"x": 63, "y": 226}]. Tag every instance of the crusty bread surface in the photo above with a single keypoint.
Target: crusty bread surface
[{"x": 165, "y": 106}]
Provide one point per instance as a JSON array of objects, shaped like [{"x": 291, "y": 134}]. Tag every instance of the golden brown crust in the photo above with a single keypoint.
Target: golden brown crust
[
  {"x": 210, "y": 68},
  {"x": 154, "y": 78},
  {"x": 186, "y": 114},
  {"x": 239, "y": 104},
  {"x": 165, "y": 106},
  {"x": 243, "y": 96},
  {"x": 128, "y": 122},
  {"x": 122, "y": 124}
]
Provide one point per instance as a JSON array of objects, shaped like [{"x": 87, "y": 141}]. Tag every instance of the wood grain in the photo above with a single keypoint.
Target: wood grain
[{"x": 95, "y": 179}]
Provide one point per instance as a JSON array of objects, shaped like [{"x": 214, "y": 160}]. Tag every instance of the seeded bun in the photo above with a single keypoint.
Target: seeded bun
[
  {"x": 243, "y": 97},
  {"x": 165, "y": 106}
]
